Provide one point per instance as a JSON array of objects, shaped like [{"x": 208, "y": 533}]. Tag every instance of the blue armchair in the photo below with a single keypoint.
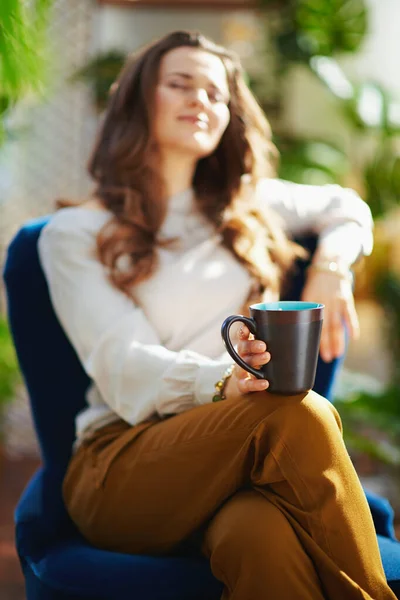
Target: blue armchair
[{"x": 58, "y": 564}]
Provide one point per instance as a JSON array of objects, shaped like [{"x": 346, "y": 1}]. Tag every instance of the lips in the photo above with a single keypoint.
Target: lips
[{"x": 201, "y": 123}]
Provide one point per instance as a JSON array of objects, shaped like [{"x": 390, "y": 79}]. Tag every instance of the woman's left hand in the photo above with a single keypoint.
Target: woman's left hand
[{"x": 337, "y": 295}]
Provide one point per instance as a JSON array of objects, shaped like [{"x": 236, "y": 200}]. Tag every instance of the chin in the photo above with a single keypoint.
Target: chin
[
  {"x": 197, "y": 149},
  {"x": 193, "y": 147}
]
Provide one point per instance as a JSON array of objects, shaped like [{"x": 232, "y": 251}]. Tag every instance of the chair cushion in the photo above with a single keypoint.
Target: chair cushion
[
  {"x": 76, "y": 568},
  {"x": 390, "y": 553},
  {"x": 382, "y": 514},
  {"x": 81, "y": 570},
  {"x": 61, "y": 559}
]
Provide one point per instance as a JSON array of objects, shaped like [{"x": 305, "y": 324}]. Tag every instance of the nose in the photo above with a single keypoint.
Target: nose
[{"x": 199, "y": 97}]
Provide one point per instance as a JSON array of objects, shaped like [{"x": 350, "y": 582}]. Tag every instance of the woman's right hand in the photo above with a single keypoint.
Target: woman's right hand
[{"x": 253, "y": 352}]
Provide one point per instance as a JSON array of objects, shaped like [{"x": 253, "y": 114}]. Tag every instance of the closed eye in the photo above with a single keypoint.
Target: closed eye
[
  {"x": 176, "y": 85},
  {"x": 214, "y": 93}
]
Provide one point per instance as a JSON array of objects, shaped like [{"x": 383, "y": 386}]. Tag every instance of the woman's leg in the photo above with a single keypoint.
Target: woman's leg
[
  {"x": 155, "y": 484},
  {"x": 254, "y": 550}
]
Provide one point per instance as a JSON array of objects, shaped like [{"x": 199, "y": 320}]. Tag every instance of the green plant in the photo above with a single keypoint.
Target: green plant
[
  {"x": 23, "y": 28},
  {"x": 9, "y": 370},
  {"x": 311, "y": 160},
  {"x": 316, "y": 27},
  {"x": 100, "y": 73},
  {"x": 313, "y": 33}
]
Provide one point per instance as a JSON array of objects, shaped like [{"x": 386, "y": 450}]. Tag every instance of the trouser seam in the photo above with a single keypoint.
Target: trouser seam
[
  {"x": 310, "y": 495},
  {"x": 186, "y": 443}
]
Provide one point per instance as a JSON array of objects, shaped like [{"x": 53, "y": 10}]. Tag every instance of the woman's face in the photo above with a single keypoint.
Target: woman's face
[{"x": 191, "y": 102}]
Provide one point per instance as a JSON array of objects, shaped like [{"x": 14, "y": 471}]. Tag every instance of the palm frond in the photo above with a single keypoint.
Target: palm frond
[{"x": 22, "y": 47}]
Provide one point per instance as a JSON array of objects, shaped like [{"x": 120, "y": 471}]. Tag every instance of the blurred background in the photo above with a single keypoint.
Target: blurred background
[{"x": 327, "y": 75}]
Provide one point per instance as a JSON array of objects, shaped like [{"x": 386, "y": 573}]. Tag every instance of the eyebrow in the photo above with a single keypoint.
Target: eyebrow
[
  {"x": 190, "y": 77},
  {"x": 185, "y": 75}
]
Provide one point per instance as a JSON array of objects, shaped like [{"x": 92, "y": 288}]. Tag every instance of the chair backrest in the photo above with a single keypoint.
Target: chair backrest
[{"x": 52, "y": 372}]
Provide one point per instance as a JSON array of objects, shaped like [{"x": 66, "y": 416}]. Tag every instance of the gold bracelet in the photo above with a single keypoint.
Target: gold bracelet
[
  {"x": 220, "y": 385},
  {"x": 333, "y": 267}
]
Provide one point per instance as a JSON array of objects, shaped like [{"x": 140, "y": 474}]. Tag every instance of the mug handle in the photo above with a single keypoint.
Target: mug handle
[{"x": 225, "y": 328}]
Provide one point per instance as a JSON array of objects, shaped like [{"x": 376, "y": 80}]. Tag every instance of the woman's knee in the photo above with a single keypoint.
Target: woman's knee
[
  {"x": 287, "y": 415},
  {"x": 310, "y": 412},
  {"x": 251, "y": 544},
  {"x": 303, "y": 432},
  {"x": 249, "y": 529}
]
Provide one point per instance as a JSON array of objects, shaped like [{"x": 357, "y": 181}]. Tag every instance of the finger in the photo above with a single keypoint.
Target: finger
[
  {"x": 251, "y": 347},
  {"x": 351, "y": 319},
  {"x": 257, "y": 360},
  {"x": 251, "y": 384},
  {"x": 240, "y": 373},
  {"x": 337, "y": 335},
  {"x": 325, "y": 343},
  {"x": 244, "y": 332},
  {"x": 332, "y": 336}
]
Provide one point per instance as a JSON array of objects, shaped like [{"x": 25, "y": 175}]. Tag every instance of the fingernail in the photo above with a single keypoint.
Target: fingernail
[
  {"x": 264, "y": 358},
  {"x": 264, "y": 384},
  {"x": 260, "y": 346}
]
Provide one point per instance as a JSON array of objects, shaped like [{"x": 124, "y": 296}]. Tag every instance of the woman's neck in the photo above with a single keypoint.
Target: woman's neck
[{"x": 177, "y": 172}]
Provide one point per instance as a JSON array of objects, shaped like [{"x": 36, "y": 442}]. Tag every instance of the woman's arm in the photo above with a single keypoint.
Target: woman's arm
[
  {"x": 343, "y": 223},
  {"x": 340, "y": 218},
  {"x": 118, "y": 347}
]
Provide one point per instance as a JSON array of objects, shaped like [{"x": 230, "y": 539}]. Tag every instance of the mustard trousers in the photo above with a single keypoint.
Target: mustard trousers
[{"x": 262, "y": 483}]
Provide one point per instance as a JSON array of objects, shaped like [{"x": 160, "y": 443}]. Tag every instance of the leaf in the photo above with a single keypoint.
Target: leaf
[
  {"x": 328, "y": 27},
  {"x": 100, "y": 73},
  {"x": 9, "y": 370},
  {"x": 23, "y": 29},
  {"x": 387, "y": 289},
  {"x": 382, "y": 179},
  {"x": 311, "y": 161},
  {"x": 373, "y": 448}
]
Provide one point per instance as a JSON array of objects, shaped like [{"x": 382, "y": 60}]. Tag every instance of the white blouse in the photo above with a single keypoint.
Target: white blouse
[{"x": 163, "y": 353}]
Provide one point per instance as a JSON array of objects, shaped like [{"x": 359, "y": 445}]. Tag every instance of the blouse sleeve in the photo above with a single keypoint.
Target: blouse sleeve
[
  {"x": 340, "y": 218},
  {"x": 119, "y": 349}
]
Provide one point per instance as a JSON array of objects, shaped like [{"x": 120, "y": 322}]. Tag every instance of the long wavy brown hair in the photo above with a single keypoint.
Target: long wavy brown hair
[{"x": 127, "y": 183}]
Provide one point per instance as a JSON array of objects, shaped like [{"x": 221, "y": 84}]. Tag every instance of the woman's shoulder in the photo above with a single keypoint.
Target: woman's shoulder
[
  {"x": 89, "y": 216},
  {"x": 71, "y": 231},
  {"x": 272, "y": 185}
]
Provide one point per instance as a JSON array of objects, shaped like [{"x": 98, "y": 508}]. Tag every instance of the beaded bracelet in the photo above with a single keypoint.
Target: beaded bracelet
[{"x": 220, "y": 385}]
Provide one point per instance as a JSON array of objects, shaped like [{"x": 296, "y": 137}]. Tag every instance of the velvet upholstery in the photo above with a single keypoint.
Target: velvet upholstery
[{"x": 57, "y": 563}]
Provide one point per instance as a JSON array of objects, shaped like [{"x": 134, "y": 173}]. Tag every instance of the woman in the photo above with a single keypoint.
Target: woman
[{"x": 183, "y": 228}]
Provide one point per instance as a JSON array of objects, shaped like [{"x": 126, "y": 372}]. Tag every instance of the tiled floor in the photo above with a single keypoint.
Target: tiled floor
[{"x": 13, "y": 477}]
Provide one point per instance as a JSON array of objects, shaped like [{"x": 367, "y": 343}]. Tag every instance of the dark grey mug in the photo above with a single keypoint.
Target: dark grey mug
[{"x": 292, "y": 332}]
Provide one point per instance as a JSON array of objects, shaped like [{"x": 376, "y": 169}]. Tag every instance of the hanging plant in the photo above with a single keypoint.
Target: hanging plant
[{"x": 100, "y": 73}]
